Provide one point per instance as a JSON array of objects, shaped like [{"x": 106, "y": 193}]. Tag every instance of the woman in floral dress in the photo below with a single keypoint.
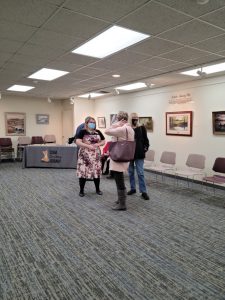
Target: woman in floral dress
[{"x": 89, "y": 140}]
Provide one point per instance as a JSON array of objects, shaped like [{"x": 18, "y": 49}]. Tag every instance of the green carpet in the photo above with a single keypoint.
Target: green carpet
[{"x": 56, "y": 245}]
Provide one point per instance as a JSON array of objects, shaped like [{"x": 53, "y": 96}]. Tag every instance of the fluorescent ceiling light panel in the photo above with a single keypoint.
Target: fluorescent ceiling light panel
[
  {"x": 91, "y": 95},
  {"x": 133, "y": 86},
  {"x": 48, "y": 74},
  {"x": 208, "y": 70},
  {"x": 110, "y": 41},
  {"x": 20, "y": 88}
]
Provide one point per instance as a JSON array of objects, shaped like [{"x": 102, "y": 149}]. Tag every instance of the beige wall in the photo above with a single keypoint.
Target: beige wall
[{"x": 31, "y": 107}]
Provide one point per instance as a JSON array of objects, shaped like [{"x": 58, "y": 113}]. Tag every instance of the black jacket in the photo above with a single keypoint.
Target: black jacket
[{"x": 142, "y": 142}]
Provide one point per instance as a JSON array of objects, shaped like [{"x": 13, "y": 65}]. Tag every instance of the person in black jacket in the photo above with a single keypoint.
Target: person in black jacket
[{"x": 142, "y": 145}]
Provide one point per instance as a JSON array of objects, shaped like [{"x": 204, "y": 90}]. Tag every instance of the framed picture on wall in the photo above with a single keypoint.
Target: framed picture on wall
[
  {"x": 147, "y": 122},
  {"x": 15, "y": 123},
  {"x": 218, "y": 119},
  {"x": 101, "y": 122},
  {"x": 113, "y": 118},
  {"x": 179, "y": 123},
  {"x": 42, "y": 119}
]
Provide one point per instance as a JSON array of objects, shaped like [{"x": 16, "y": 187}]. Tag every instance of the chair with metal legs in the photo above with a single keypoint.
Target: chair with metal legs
[{"x": 195, "y": 169}]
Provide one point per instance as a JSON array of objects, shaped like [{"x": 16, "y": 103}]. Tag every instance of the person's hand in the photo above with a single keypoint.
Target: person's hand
[
  {"x": 95, "y": 145},
  {"x": 91, "y": 147}
]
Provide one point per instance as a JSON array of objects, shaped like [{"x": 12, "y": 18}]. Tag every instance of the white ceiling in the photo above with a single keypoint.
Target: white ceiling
[{"x": 41, "y": 33}]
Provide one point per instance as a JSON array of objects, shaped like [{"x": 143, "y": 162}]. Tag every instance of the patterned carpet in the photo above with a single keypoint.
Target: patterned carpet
[{"x": 56, "y": 245}]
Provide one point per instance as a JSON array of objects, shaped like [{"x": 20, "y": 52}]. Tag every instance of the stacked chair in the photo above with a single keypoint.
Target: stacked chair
[{"x": 6, "y": 149}]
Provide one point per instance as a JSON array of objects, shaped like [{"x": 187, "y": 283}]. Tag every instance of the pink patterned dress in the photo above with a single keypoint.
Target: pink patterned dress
[{"x": 89, "y": 161}]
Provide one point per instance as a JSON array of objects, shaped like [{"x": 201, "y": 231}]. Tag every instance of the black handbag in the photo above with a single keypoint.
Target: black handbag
[{"x": 122, "y": 151}]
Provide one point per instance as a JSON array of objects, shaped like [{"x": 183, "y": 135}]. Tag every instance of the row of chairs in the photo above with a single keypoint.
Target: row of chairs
[
  {"x": 7, "y": 151},
  {"x": 195, "y": 165}
]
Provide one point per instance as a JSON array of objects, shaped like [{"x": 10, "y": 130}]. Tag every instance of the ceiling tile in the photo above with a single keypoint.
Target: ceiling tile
[
  {"x": 185, "y": 53},
  {"x": 205, "y": 60},
  {"x": 157, "y": 63},
  {"x": 74, "y": 24},
  {"x": 215, "y": 44},
  {"x": 73, "y": 58},
  {"x": 4, "y": 56},
  {"x": 41, "y": 51},
  {"x": 53, "y": 39},
  {"x": 27, "y": 12},
  {"x": 153, "y": 19},
  {"x": 175, "y": 67},
  {"x": 191, "y": 32},
  {"x": 9, "y": 45},
  {"x": 16, "y": 32},
  {"x": 192, "y": 8},
  {"x": 29, "y": 60},
  {"x": 154, "y": 46},
  {"x": 109, "y": 10},
  {"x": 91, "y": 71},
  {"x": 217, "y": 18},
  {"x": 128, "y": 57}
]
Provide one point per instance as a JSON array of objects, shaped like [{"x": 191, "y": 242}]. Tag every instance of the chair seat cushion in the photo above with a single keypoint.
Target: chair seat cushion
[{"x": 215, "y": 179}]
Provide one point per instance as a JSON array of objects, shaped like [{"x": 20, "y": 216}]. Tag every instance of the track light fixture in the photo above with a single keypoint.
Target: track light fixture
[
  {"x": 117, "y": 91},
  {"x": 201, "y": 73},
  {"x": 49, "y": 100}
]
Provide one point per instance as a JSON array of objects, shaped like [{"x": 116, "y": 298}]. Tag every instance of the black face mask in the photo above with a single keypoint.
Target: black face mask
[{"x": 134, "y": 122}]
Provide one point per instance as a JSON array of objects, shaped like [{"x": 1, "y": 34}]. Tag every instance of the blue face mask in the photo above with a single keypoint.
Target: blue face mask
[{"x": 91, "y": 125}]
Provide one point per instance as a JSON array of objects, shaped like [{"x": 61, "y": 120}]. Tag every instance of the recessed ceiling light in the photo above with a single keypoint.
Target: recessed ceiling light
[
  {"x": 20, "y": 88},
  {"x": 91, "y": 95},
  {"x": 110, "y": 41},
  {"x": 207, "y": 70},
  {"x": 133, "y": 86},
  {"x": 116, "y": 75},
  {"x": 48, "y": 74}
]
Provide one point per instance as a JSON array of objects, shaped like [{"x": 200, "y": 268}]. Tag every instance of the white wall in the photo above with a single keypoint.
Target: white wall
[
  {"x": 208, "y": 95},
  {"x": 82, "y": 109},
  {"x": 31, "y": 107}
]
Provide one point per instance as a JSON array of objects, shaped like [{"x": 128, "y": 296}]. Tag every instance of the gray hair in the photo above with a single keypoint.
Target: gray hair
[{"x": 122, "y": 115}]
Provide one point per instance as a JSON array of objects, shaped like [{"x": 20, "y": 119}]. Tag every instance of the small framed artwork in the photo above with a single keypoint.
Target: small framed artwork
[
  {"x": 42, "y": 119},
  {"x": 15, "y": 123},
  {"x": 218, "y": 119},
  {"x": 101, "y": 122},
  {"x": 179, "y": 123},
  {"x": 147, "y": 122},
  {"x": 113, "y": 118}
]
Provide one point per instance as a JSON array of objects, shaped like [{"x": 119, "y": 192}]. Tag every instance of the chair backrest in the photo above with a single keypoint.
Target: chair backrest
[
  {"x": 168, "y": 158},
  {"x": 37, "y": 140},
  {"x": 150, "y": 155},
  {"x": 24, "y": 140},
  {"x": 219, "y": 165},
  {"x": 49, "y": 138},
  {"x": 5, "y": 142},
  {"x": 196, "y": 161}
]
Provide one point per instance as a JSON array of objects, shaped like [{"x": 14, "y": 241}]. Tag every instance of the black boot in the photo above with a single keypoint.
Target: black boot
[{"x": 122, "y": 201}]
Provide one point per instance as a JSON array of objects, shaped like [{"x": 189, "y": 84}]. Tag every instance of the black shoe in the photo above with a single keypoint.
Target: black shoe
[
  {"x": 99, "y": 192},
  {"x": 81, "y": 194},
  {"x": 131, "y": 192},
  {"x": 109, "y": 177},
  {"x": 145, "y": 196}
]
